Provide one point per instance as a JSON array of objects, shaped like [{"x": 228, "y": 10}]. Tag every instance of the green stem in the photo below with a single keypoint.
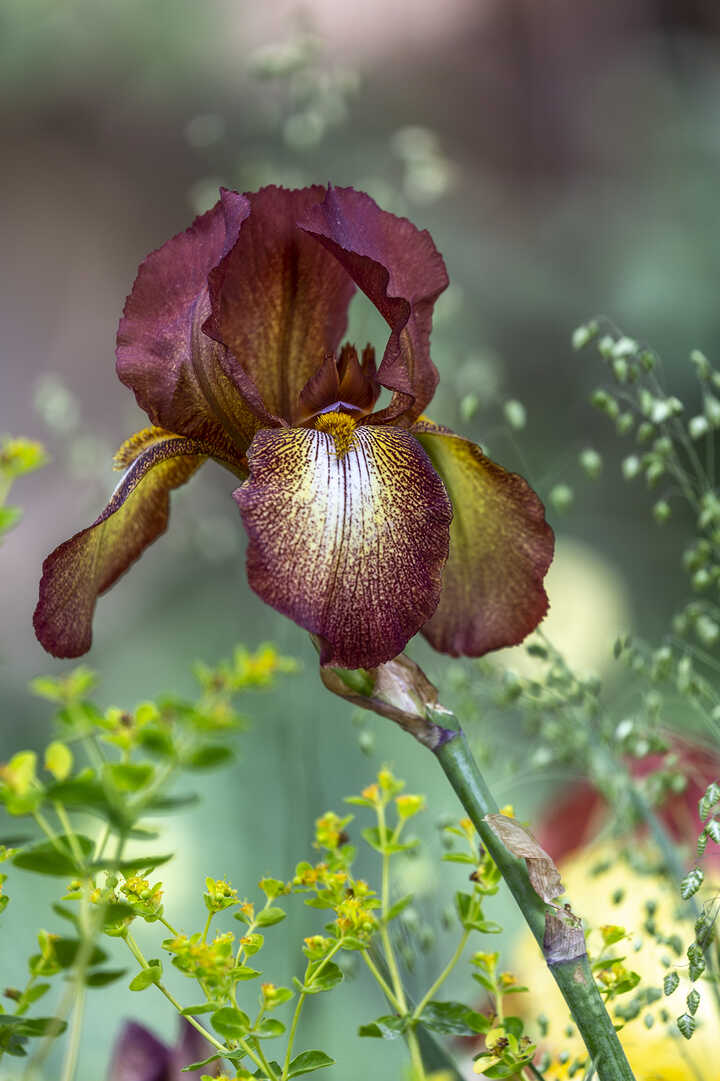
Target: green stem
[
  {"x": 574, "y": 977},
  {"x": 417, "y": 1013},
  {"x": 140, "y": 958},
  {"x": 208, "y": 921},
  {"x": 383, "y": 983},
  {"x": 300, "y": 1002}
]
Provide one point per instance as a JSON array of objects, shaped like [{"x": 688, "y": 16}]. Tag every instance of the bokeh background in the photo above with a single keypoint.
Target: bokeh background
[{"x": 566, "y": 159}]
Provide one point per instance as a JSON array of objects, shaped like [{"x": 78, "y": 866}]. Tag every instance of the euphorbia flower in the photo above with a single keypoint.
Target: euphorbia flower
[{"x": 366, "y": 524}]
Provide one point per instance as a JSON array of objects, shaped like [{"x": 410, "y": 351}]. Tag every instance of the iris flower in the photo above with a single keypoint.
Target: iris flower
[
  {"x": 366, "y": 521},
  {"x": 140, "y": 1056}
]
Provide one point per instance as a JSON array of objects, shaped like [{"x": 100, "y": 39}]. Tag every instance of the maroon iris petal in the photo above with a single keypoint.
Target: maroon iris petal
[
  {"x": 178, "y": 374},
  {"x": 139, "y": 1056},
  {"x": 348, "y": 534},
  {"x": 399, "y": 268},
  {"x": 279, "y": 300},
  {"x": 500, "y": 550},
  {"x": 82, "y": 568}
]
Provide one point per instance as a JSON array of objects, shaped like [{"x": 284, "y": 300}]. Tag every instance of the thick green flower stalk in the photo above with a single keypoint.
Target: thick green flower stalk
[{"x": 400, "y": 691}]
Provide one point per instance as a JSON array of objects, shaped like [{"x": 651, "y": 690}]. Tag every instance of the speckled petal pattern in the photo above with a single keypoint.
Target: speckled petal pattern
[{"x": 351, "y": 546}]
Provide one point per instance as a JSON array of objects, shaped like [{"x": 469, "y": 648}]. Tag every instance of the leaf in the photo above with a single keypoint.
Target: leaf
[
  {"x": 687, "y": 1024},
  {"x": 131, "y": 866},
  {"x": 32, "y": 1026},
  {"x": 203, "y": 1007},
  {"x": 146, "y": 977},
  {"x": 388, "y": 1027},
  {"x": 459, "y": 857},
  {"x": 330, "y": 977},
  {"x": 542, "y": 872},
  {"x": 103, "y": 977},
  {"x": 398, "y": 907},
  {"x": 671, "y": 982},
  {"x": 208, "y": 756},
  {"x": 693, "y": 1001},
  {"x": 199, "y": 1065},
  {"x": 128, "y": 776},
  {"x": 267, "y": 917},
  {"x": 268, "y": 1029},
  {"x": 691, "y": 883},
  {"x": 86, "y": 793},
  {"x": 309, "y": 1061},
  {"x": 65, "y": 951},
  {"x": 45, "y": 859},
  {"x": 163, "y": 804},
  {"x": 231, "y": 1023},
  {"x": 453, "y": 1018}
]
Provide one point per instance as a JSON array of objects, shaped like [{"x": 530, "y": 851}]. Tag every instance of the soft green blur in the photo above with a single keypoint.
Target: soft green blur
[{"x": 565, "y": 166}]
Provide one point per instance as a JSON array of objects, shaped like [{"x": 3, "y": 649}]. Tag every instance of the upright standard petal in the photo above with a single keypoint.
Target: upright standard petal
[
  {"x": 348, "y": 532},
  {"x": 500, "y": 549},
  {"x": 279, "y": 300},
  {"x": 139, "y": 1056},
  {"x": 82, "y": 568},
  {"x": 181, "y": 377},
  {"x": 399, "y": 268}
]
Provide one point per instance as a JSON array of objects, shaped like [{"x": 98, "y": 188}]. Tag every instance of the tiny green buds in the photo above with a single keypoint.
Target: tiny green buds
[{"x": 220, "y": 895}]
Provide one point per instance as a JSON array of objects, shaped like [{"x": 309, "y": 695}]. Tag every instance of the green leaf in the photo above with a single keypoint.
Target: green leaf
[
  {"x": 32, "y": 1026},
  {"x": 65, "y": 951},
  {"x": 398, "y": 907},
  {"x": 128, "y": 776},
  {"x": 165, "y": 804},
  {"x": 199, "y": 1065},
  {"x": 671, "y": 982},
  {"x": 687, "y": 1024},
  {"x": 85, "y": 792},
  {"x": 330, "y": 977},
  {"x": 459, "y": 857},
  {"x": 691, "y": 883},
  {"x": 231, "y": 1023},
  {"x": 268, "y": 1029},
  {"x": 244, "y": 972},
  {"x": 266, "y": 917},
  {"x": 208, "y": 756},
  {"x": 117, "y": 912},
  {"x": 45, "y": 859},
  {"x": 693, "y": 1001},
  {"x": 132, "y": 866},
  {"x": 204, "y": 1007},
  {"x": 9, "y": 516},
  {"x": 146, "y": 977},
  {"x": 388, "y": 1027},
  {"x": 34, "y": 993},
  {"x": 309, "y": 1061},
  {"x": 103, "y": 977},
  {"x": 156, "y": 740},
  {"x": 453, "y": 1018}
]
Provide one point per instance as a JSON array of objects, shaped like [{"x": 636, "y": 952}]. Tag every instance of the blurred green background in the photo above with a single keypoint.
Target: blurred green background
[{"x": 566, "y": 160}]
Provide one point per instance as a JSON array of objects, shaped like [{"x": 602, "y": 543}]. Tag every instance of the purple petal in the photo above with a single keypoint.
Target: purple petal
[
  {"x": 179, "y": 375},
  {"x": 82, "y": 568},
  {"x": 279, "y": 300},
  {"x": 348, "y": 532},
  {"x": 398, "y": 267}
]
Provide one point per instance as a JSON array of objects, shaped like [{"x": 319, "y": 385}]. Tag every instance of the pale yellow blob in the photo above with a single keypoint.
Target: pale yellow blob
[
  {"x": 658, "y": 1053},
  {"x": 341, "y": 427}
]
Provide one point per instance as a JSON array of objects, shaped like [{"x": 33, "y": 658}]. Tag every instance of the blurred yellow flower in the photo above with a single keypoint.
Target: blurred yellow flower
[{"x": 619, "y": 895}]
